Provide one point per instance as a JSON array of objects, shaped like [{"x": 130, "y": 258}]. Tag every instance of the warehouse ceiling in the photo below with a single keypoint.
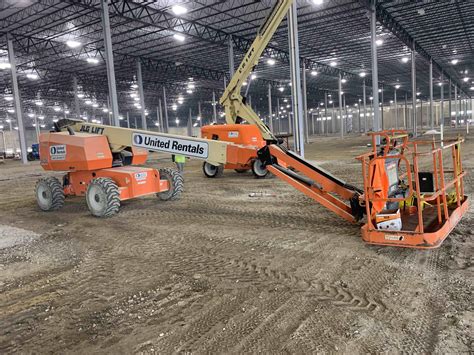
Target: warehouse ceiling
[{"x": 174, "y": 49}]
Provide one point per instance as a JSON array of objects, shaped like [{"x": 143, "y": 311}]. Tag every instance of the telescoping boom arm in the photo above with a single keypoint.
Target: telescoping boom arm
[
  {"x": 214, "y": 151},
  {"x": 232, "y": 100},
  {"x": 308, "y": 178}
]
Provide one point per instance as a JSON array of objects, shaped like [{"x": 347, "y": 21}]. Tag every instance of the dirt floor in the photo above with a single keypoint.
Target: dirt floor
[{"x": 219, "y": 271}]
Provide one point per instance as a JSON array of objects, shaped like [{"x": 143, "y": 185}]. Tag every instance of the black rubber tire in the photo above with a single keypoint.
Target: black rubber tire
[
  {"x": 257, "y": 170},
  {"x": 103, "y": 197},
  {"x": 52, "y": 194},
  {"x": 212, "y": 171},
  {"x": 176, "y": 182},
  {"x": 241, "y": 171},
  {"x": 30, "y": 157}
]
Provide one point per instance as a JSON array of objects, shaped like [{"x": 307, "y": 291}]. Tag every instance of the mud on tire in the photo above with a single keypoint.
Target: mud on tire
[
  {"x": 176, "y": 184},
  {"x": 103, "y": 197},
  {"x": 49, "y": 194}
]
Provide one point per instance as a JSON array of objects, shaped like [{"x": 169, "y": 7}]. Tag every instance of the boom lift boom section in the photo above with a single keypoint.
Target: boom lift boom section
[
  {"x": 120, "y": 138},
  {"x": 235, "y": 107}
]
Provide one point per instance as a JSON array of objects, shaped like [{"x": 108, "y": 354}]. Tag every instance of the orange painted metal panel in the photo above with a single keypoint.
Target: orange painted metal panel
[
  {"x": 82, "y": 151},
  {"x": 132, "y": 181}
]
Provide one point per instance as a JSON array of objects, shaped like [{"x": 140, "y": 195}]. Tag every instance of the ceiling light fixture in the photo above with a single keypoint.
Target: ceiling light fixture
[
  {"x": 344, "y": 80},
  {"x": 271, "y": 61},
  {"x": 363, "y": 74},
  {"x": 73, "y": 44},
  {"x": 379, "y": 42},
  {"x": 179, "y": 37},
  {"x": 32, "y": 76},
  {"x": 397, "y": 86},
  {"x": 318, "y": 2},
  {"x": 5, "y": 65},
  {"x": 333, "y": 64},
  {"x": 179, "y": 10},
  {"x": 92, "y": 60},
  {"x": 455, "y": 61},
  {"x": 314, "y": 72},
  {"x": 405, "y": 59}
]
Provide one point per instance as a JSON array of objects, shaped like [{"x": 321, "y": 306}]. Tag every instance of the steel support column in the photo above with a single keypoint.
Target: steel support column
[
  {"x": 37, "y": 127},
  {"x": 190, "y": 124},
  {"x": 160, "y": 110},
  {"x": 413, "y": 91},
  {"x": 278, "y": 116},
  {"x": 165, "y": 110},
  {"x": 214, "y": 107},
  {"x": 381, "y": 108},
  {"x": 199, "y": 114},
  {"x": 270, "y": 118},
  {"x": 17, "y": 102},
  {"x": 375, "y": 73},
  {"x": 77, "y": 109},
  {"x": 339, "y": 92},
  {"x": 456, "y": 105},
  {"x": 459, "y": 115},
  {"x": 141, "y": 93},
  {"x": 431, "y": 95},
  {"x": 441, "y": 116},
  {"x": 396, "y": 108},
  {"x": 231, "y": 57},
  {"x": 109, "y": 60},
  {"x": 296, "y": 79},
  {"x": 364, "y": 98},
  {"x": 405, "y": 112},
  {"x": 305, "y": 106},
  {"x": 326, "y": 111},
  {"x": 128, "y": 120}
]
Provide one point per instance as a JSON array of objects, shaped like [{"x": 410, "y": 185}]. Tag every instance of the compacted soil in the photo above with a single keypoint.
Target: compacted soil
[{"x": 237, "y": 265}]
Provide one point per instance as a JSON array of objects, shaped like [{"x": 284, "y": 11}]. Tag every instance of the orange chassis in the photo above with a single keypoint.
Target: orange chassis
[
  {"x": 89, "y": 157},
  {"x": 247, "y": 137}
]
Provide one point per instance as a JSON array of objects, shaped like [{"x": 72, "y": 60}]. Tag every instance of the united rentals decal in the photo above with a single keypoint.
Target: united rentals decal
[
  {"x": 57, "y": 152},
  {"x": 171, "y": 145}
]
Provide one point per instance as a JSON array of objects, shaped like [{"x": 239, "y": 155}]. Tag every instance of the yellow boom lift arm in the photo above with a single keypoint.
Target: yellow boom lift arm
[
  {"x": 214, "y": 151},
  {"x": 232, "y": 100}
]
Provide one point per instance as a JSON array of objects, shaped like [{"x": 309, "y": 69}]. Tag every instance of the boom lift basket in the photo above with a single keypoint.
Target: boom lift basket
[{"x": 426, "y": 217}]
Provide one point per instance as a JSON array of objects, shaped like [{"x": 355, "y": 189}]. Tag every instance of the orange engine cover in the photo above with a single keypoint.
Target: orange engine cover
[
  {"x": 82, "y": 151},
  {"x": 245, "y": 134}
]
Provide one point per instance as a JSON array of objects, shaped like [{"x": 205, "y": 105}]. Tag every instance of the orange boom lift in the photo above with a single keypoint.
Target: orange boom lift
[
  {"x": 404, "y": 206},
  {"x": 101, "y": 164}
]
